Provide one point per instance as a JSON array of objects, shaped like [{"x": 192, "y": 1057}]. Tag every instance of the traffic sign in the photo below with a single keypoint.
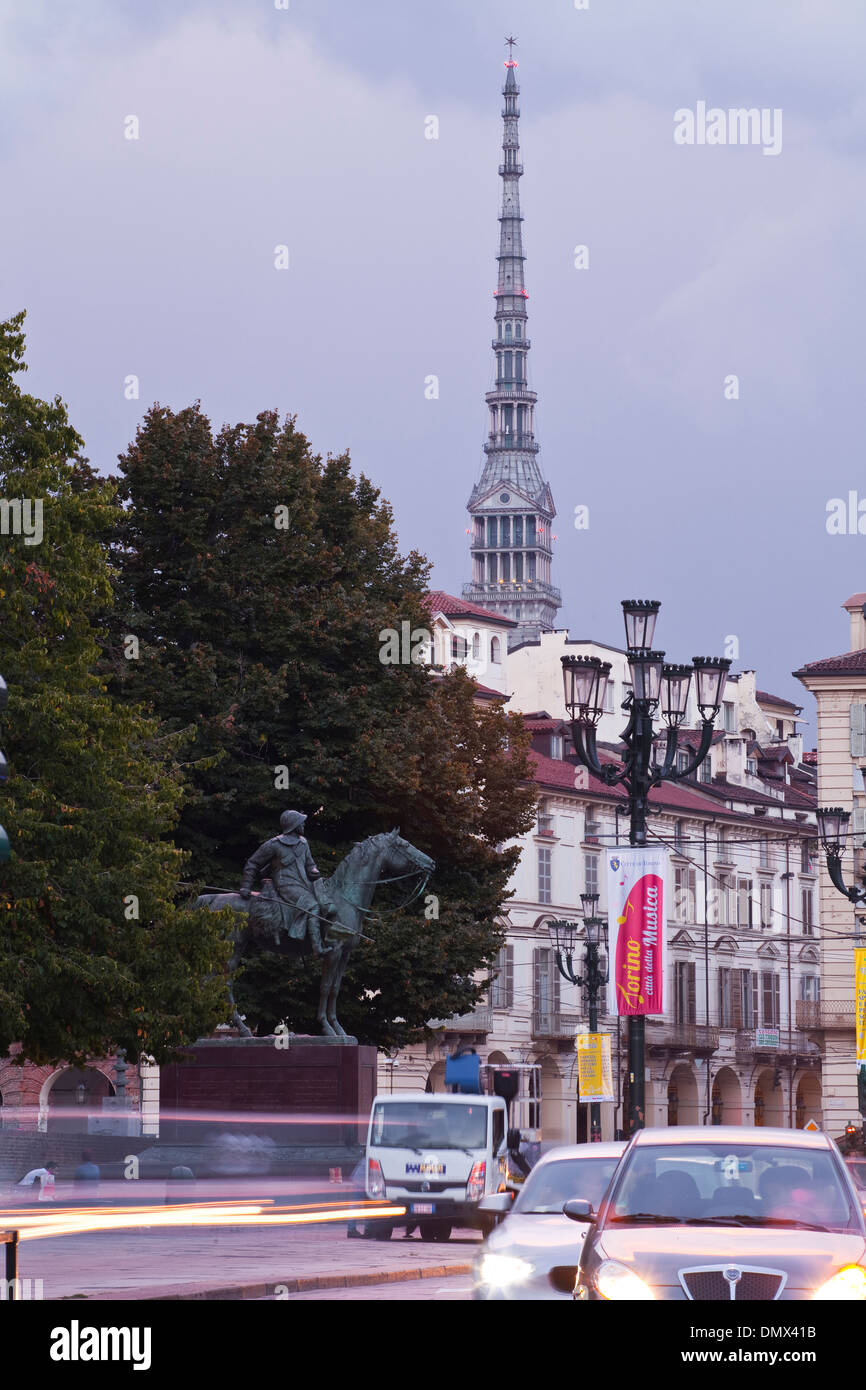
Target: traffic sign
[{"x": 810, "y": 1125}]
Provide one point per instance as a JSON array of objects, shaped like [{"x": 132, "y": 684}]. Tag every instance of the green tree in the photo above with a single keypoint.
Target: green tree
[
  {"x": 258, "y": 579},
  {"x": 93, "y": 951}
]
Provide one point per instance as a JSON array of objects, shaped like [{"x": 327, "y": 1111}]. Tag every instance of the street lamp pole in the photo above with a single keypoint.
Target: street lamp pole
[
  {"x": 648, "y": 760},
  {"x": 833, "y": 825},
  {"x": 564, "y": 938}
]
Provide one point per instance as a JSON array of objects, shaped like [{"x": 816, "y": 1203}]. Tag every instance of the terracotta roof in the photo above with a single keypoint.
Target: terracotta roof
[
  {"x": 486, "y": 692},
  {"x": 440, "y": 602},
  {"x": 811, "y": 757},
  {"x": 776, "y": 700},
  {"x": 553, "y": 772},
  {"x": 849, "y": 664},
  {"x": 543, "y": 726}
]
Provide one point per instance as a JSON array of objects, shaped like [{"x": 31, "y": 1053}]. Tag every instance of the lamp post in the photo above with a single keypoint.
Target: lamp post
[
  {"x": 564, "y": 938},
  {"x": 649, "y": 759}
]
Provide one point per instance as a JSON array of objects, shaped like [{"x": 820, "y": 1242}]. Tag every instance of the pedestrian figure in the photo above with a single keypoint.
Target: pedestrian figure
[
  {"x": 45, "y": 1178},
  {"x": 87, "y": 1171}
]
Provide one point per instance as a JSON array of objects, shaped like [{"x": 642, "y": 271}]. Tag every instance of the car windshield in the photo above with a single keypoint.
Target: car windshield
[
  {"x": 416, "y": 1125},
  {"x": 736, "y": 1184},
  {"x": 554, "y": 1183},
  {"x": 858, "y": 1171}
]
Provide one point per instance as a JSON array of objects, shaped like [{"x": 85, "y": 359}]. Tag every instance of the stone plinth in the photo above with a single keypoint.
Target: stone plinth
[{"x": 266, "y": 1105}]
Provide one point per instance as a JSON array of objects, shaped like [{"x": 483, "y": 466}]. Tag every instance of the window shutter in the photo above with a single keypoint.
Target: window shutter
[
  {"x": 858, "y": 822},
  {"x": 509, "y": 977},
  {"x": 754, "y": 1017},
  {"x": 777, "y": 1013},
  {"x": 740, "y": 977},
  {"x": 691, "y": 1013},
  {"x": 858, "y": 731}
]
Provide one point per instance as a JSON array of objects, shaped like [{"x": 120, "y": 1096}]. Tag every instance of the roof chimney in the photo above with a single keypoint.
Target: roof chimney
[{"x": 856, "y": 606}]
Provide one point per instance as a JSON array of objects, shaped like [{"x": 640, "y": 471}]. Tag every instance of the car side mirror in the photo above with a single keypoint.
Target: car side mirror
[
  {"x": 498, "y": 1202},
  {"x": 579, "y": 1210}
]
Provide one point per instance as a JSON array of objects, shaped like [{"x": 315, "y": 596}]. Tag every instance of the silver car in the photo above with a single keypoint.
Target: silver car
[
  {"x": 534, "y": 1253},
  {"x": 721, "y": 1213}
]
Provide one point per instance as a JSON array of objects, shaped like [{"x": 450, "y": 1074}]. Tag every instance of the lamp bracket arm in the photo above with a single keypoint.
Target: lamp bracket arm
[{"x": 695, "y": 762}]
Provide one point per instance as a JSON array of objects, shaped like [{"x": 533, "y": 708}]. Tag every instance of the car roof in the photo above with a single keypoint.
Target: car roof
[
  {"x": 733, "y": 1134},
  {"x": 610, "y": 1150}
]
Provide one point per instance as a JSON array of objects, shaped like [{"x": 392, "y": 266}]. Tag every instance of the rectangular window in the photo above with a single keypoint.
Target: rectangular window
[
  {"x": 745, "y": 999},
  {"x": 518, "y": 569},
  {"x": 764, "y": 853},
  {"x": 807, "y": 902},
  {"x": 705, "y": 770},
  {"x": 679, "y": 836},
  {"x": 721, "y": 843},
  {"x": 810, "y": 988},
  {"x": 590, "y": 873},
  {"x": 766, "y": 904},
  {"x": 544, "y": 875},
  {"x": 556, "y": 746},
  {"x": 769, "y": 999},
  {"x": 744, "y": 902},
  {"x": 517, "y": 528},
  {"x": 723, "y": 900},
  {"x": 505, "y": 568},
  {"x": 685, "y": 894},
  {"x": 502, "y": 988},
  {"x": 608, "y": 698},
  {"x": 807, "y": 865},
  {"x": 492, "y": 527},
  {"x": 730, "y": 713},
  {"x": 685, "y": 1007},
  {"x": 530, "y": 567},
  {"x": 726, "y": 998},
  {"x": 546, "y": 983},
  {"x": 858, "y": 731},
  {"x": 546, "y": 824},
  {"x": 491, "y": 569},
  {"x": 505, "y": 530}
]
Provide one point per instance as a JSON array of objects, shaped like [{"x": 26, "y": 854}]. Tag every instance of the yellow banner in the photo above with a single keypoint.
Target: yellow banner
[
  {"x": 860, "y": 1001},
  {"x": 594, "y": 1066}
]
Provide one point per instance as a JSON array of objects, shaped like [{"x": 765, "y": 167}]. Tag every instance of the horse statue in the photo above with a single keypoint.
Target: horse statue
[{"x": 344, "y": 903}]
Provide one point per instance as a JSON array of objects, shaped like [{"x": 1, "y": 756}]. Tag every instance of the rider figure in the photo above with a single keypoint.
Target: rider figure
[{"x": 287, "y": 860}]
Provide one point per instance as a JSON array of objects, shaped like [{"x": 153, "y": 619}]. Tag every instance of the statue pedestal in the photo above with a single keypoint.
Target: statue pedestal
[{"x": 284, "y": 1104}]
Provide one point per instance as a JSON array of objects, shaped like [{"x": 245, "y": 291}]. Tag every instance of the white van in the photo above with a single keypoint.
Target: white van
[{"x": 437, "y": 1155}]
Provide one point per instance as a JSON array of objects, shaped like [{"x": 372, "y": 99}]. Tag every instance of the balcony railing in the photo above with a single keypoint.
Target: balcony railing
[
  {"x": 511, "y": 441},
  {"x": 506, "y": 344},
  {"x": 478, "y": 1020},
  {"x": 550, "y": 1023},
  {"x": 695, "y": 1036},
  {"x": 811, "y": 1013}
]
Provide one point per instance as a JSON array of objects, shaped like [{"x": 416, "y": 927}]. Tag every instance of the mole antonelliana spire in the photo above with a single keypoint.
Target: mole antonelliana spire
[{"x": 511, "y": 505}]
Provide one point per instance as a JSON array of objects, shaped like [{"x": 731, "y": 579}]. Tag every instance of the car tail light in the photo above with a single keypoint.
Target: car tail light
[
  {"x": 375, "y": 1179},
  {"x": 475, "y": 1185}
]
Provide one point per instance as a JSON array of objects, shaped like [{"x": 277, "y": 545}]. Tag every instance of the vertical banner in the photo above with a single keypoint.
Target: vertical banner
[
  {"x": 594, "y": 1067},
  {"x": 637, "y": 907},
  {"x": 860, "y": 1002}
]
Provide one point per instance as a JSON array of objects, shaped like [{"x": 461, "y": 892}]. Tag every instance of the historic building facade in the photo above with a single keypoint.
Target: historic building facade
[
  {"x": 839, "y": 686},
  {"x": 511, "y": 506},
  {"x": 736, "y": 1044}
]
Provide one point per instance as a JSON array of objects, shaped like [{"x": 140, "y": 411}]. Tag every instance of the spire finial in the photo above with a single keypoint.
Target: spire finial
[{"x": 511, "y": 41}]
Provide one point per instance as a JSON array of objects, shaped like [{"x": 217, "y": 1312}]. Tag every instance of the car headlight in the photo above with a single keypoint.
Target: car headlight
[
  {"x": 847, "y": 1284},
  {"x": 501, "y": 1270},
  {"x": 616, "y": 1281}
]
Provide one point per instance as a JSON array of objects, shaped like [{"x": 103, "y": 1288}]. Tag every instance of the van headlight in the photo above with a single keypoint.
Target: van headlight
[
  {"x": 501, "y": 1270},
  {"x": 616, "y": 1281},
  {"x": 847, "y": 1284}
]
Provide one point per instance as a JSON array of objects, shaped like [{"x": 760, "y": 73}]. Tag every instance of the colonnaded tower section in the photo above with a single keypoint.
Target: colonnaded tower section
[{"x": 511, "y": 506}]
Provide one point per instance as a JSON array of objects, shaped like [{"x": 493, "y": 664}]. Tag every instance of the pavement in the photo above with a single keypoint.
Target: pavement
[{"x": 233, "y": 1263}]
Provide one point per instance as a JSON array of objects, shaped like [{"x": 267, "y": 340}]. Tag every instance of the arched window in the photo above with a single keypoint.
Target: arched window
[
  {"x": 508, "y": 333},
  {"x": 476, "y": 646},
  {"x": 518, "y": 331},
  {"x": 495, "y": 649}
]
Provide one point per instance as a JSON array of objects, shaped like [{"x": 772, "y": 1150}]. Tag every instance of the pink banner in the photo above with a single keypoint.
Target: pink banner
[{"x": 636, "y": 924}]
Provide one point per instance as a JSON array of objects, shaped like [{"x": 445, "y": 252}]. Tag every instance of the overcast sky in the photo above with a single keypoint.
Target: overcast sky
[{"x": 305, "y": 127}]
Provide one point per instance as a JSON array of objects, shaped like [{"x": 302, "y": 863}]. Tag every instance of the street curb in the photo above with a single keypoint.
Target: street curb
[{"x": 237, "y": 1292}]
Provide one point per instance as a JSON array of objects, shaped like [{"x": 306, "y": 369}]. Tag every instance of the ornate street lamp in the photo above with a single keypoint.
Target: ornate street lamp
[
  {"x": 564, "y": 936},
  {"x": 650, "y": 756},
  {"x": 833, "y": 825}
]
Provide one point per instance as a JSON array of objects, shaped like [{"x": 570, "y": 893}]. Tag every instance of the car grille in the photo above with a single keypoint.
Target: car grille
[
  {"x": 562, "y": 1278},
  {"x": 710, "y": 1284}
]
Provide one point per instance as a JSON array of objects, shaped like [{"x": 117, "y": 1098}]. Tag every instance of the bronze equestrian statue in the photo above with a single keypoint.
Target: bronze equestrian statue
[{"x": 298, "y": 912}]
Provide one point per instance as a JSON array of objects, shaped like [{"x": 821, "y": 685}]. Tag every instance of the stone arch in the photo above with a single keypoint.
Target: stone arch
[
  {"x": 73, "y": 1093},
  {"x": 683, "y": 1099},
  {"x": 809, "y": 1099},
  {"x": 727, "y": 1098},
  {"x": 769, "y": 1100}
]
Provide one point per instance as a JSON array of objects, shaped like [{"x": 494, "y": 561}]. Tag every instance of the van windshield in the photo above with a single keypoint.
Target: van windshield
[{"x": 409, "y": 1124}]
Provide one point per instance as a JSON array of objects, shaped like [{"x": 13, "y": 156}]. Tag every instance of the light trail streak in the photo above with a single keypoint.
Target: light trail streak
[{"x": 42, "y": 1226}]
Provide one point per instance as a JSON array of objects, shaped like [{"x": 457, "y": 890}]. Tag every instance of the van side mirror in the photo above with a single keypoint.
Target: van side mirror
[{"x": 579, "y": 1210}]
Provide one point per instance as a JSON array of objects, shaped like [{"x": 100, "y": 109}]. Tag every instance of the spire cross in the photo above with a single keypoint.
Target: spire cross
[{"x": 511, "y": 41}]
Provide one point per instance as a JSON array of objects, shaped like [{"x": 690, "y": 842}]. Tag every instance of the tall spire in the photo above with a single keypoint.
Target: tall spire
[{"x": 511, "y": 506}]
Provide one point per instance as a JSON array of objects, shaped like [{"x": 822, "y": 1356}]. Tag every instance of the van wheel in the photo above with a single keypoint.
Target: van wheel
[
  {"x": 383, "y": 1232},
  {"x": 486, "y": 1224},
  {"x": 441, "y": 1230}
]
